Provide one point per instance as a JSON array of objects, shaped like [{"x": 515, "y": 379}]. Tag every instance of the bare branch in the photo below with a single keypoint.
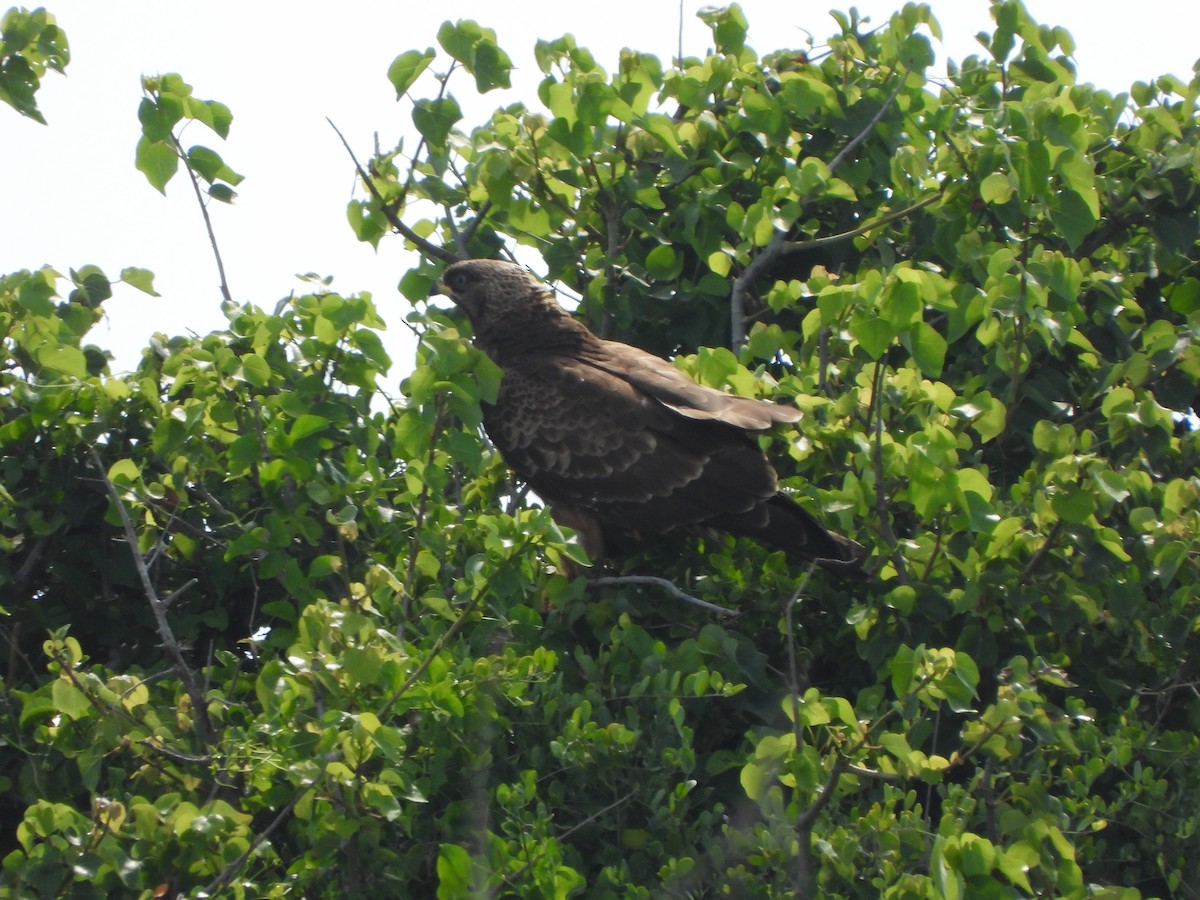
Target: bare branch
[
  {"x": 875, "y": 120},
  {"x": 174, "y": 595},
  {"x": 797, "y": 246},
  {"x": 175, "y": 755},
  {"x": 389, "y": 210},
  {"x": 158, "y": 607},
  {"x": 212, "y": 235},
  {"x": 473, "y": 225},
  {"x": 655, "y": 581},
  {"x": 875, "y": 775}
]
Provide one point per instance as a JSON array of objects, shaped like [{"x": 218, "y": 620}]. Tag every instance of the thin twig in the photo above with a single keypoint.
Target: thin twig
[
  {"x": 655, "y": 581},
  {"x": 174, "y": 755},
  {"x": 515, "y": 876},
  {"x": 1038, "y": 555},
  {"x": 806, "y": 875},
  {"x": 422, "y": 502},
  {"x": 174, "y": 595},
  {"x": 212, "y": 235},
  {"x": 441, "y": 642},
  {"x": 426, "y": 247},
  {"x": 158, "y": 607},
  {"x": 798, "y": 246},
  {"x": 473, "y": 225},
  {"x": 230, "y": 871},
  {"x": 875, "y": 775},
  {"x": 875, "y": 120},
  {"x": 775, "y": 246},
  {"x": 793, "y": 670},
  {"x": 881, "y": 505},
  {"x": 455, "y": 235}
]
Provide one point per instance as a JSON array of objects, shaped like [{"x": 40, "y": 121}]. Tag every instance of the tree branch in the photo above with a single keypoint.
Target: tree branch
[
  {"x": 875, "y": 120},
  {"x": 158, "y": 607},
  {"x": 775, "y": 246},
  {"x": 230, "y": 871},
  {"x": 655, "y": 581},
  {"x": 212, "y": 236},
  {"x": 389, "y": 210},
  {"x": 881, "y": 507},
  {"x": 798, "y": 246},
  {"x": 455, "y": 627}
]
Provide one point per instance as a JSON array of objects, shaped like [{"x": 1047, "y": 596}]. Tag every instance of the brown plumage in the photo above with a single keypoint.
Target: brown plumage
[{"x": 614, "y": 438}]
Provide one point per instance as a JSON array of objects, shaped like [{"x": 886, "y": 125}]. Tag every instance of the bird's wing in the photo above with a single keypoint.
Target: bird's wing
[
  {"x": 583, "y": 436},
  {"x": 661, "y": 380}
]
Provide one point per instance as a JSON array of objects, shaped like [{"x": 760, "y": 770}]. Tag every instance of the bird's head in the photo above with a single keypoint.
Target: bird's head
[
  {"x": 511, "y": 312},
  {"x": 488, "y": 290}
]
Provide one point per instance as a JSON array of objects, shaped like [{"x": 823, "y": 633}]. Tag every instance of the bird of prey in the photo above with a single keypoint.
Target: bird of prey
[{"x": 617, "y": 440}]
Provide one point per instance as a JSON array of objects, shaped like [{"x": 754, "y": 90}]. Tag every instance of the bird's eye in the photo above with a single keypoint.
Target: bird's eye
[{"x": 457, "y": 280}]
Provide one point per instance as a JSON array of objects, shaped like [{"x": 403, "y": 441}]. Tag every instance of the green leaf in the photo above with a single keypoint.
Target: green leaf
[
  {"x": 663, "y": 128},
  {"x": 902, "y": 666},
  {"x": 996, "y": 188},
  {"x": 435, "y": 118},
  {"x": 222, "y": 192},
  {"x": 305, "y": 425},
  {"x": 662, "y": 263},
  {"x": 1072, "y": 215},
  {"x": 69, "y": 361},
  {"x": 729, "y": 26},
  {"x": 209, "y": 165},
  {"x": 142, "y": 279},
  {"x": 407, "y": 68},
  {"x": 157, "y": 161},
  {"x": 453, "y": 872},
  {"x": 124, "y": 472},
  {"x": 873, "y": 333},
  {"x": 69, "y": 700},
  {"x": 221, "y": 116},
  {"x": 475, "y": 47},
  {"x": 158, "y": 116},
  {"x": 806, "y": 96},
  {"x": 256, "y": 370},
  {"x": 1074, "y": 504},
  {"x": 927, "y": 346},
  {"x": 1016, "y": 862}
]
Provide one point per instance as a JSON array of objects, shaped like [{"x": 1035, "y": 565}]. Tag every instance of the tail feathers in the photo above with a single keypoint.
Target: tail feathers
[{"x": 783, "y": 523}]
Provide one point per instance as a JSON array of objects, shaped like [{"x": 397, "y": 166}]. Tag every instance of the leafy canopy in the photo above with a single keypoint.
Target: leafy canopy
[{"x": 273, "y": 633}]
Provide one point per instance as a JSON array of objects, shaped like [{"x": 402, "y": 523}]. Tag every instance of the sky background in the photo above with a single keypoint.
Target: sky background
[{"x": 70, "y": 195}]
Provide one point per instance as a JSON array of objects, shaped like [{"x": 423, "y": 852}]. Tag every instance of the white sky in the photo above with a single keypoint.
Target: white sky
[{"x": 69, "y": 194}]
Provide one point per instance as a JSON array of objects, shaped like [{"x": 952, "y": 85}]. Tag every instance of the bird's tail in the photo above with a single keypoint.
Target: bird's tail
[{"x": 783, "y": 523}]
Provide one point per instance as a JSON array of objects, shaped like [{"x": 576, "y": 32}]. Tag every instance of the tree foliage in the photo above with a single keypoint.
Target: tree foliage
[{"x": 270, "y": 632}]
